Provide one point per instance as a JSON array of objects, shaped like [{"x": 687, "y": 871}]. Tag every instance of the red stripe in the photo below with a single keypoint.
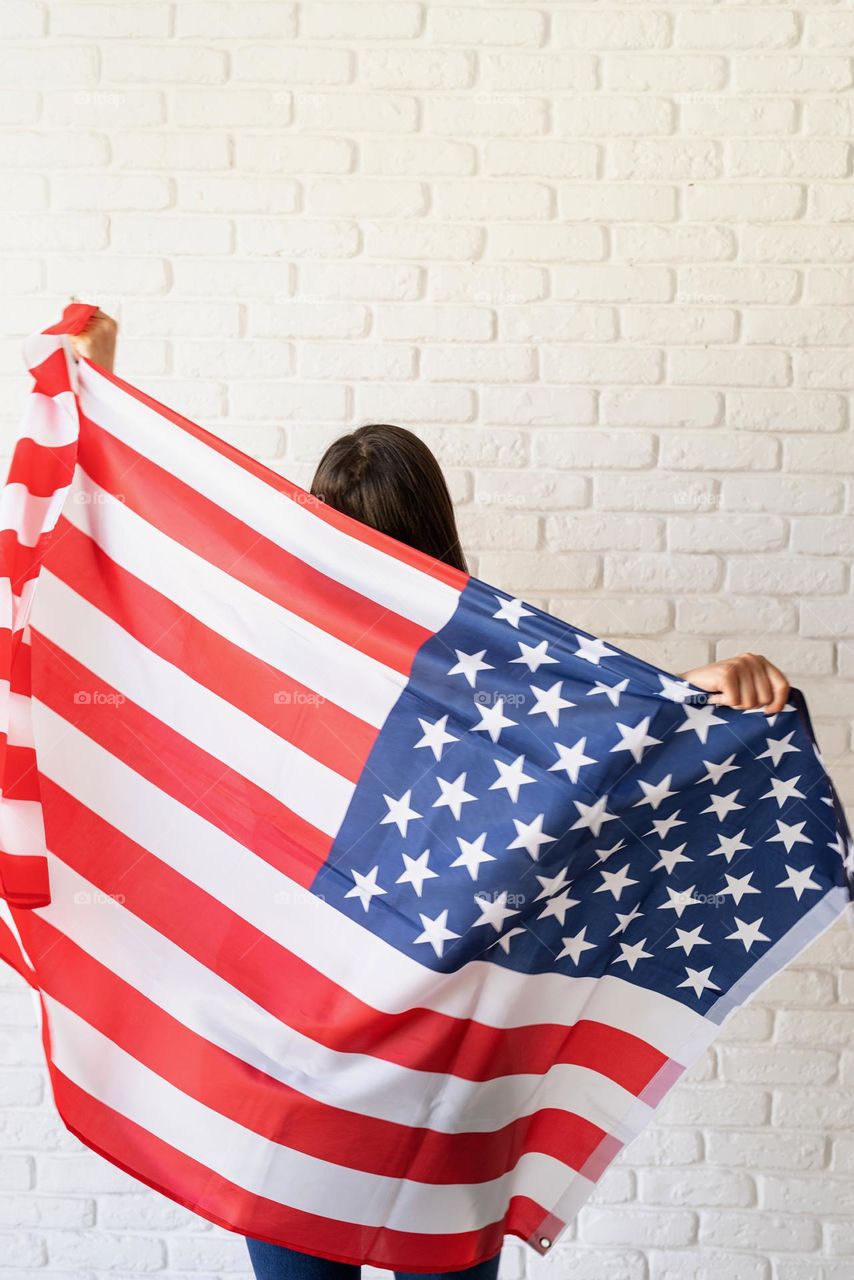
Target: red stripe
[
  {"x": 19, "y": 562},
  {"x": 329, "y": 734},
  {"x": 18, "y": 660},
  {"x": 40, "y": 468},
  {"x": 238, "y": 549},
  {"x": 51, "y": 376},
  {"x": 259, "y": 1102},
  {"x": 75, "y": 317},
  {"x": 20, "y": 773},
  {"x": 346, "y": 524},
  {"x": 24, "y": 880},
  {"x": 192, "y": 1184},
  {"x": 303, "y": 997},
  {"x": 188, "y": 773}
]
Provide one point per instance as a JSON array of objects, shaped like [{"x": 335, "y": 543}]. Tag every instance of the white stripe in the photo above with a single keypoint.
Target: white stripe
[
  {"x": 310, "y": 789},
  {"x": 408, "y": 591},
  {"x": 9, "y": 921},
  {"x": 266, "y": 1168},
  {"x": 27, "y": 514},
  {"x": 211, "y": 1007},
  {"x": 330, "y": 941},
  {"x": 7, "y": 603},
  {"x": 21, "y": 828},
  {"x": 351, "y": 679},
  {"x": 50, "y": 420}
]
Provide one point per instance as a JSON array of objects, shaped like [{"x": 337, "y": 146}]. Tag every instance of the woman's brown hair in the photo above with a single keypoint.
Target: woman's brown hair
[{"x": 386, "y": 477}]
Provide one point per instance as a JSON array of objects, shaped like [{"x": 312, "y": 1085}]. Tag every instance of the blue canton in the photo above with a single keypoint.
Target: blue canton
[{"x": 544, "y": 801}]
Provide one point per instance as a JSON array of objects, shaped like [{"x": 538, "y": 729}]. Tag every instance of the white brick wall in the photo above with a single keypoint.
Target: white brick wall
[{"x": 601, "y": 255}]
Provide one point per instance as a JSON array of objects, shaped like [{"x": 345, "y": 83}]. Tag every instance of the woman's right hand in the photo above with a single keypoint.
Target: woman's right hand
[{"x": 97, "y": 342}]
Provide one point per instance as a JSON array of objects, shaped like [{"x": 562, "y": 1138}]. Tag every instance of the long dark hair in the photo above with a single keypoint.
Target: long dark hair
[{"x": 386, "y": 477}]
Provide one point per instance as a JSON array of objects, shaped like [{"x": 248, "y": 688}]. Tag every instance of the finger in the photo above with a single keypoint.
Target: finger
[
  {"x": 730, "y": 686},
  {"x": 761, "y": 680},
  {"x": 747, "y": 685},
  {"x": 780, "y": 690}
]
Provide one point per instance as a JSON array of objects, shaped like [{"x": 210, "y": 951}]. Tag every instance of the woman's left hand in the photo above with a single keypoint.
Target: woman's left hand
[{"x": 744, "y": 682}]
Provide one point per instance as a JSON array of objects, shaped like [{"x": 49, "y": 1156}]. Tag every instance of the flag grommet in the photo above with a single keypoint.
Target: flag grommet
[{"x": 545, "y": 1242}]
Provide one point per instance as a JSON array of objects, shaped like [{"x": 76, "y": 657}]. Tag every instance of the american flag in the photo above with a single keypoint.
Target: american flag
[{"x": 369, "y": 909}]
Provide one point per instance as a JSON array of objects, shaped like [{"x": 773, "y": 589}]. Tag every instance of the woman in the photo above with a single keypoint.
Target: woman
[{"x": 386, "y": 477}]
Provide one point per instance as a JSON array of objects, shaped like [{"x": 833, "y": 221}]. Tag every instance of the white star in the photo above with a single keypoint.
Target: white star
[
  {"x": 634, "y": 738},
  {"x": 593, "y": 815},
  {"x": 748, "y": 933},
  {"x": 472, "y": 854},
  {"x": 593, "y": 650},
  {"x": 611, "y": 691},
  {"x": 717, "y": 771},
  {"x": 454, "y": 795},
  {"x": 436, "y": 932},
  {"x": 529, "y": 836},
  {"x": 492, "y": 719},
  {"x": 469, "y": 665},
  {"x": 699, "y": 980},
  {"x": 655, "y": 794},
  {"x": 700, "y": 720},
  {"x": 679, "y": 900},
  {"x": 614, "y": 882},
  {"x": 574, "y": 945},
  {"x": 689, "y": 939},
  {"x": 789, "y": 834},
  {"x": 662, "y": 827},
  {"x": 512, "y": 611},
  {"x": 625, "y": 920},
  {"x": 366, "y": 887},
  {"x": 551, "y": 884},
  {"x": 738, "y": 886},
  {"x": 722, "y": 805},
  {"x": 534, "y": 655},
  {"x": 572, "y": 759},
  {"x": 549, "y": 701},
  {"x": 558, "y": 907},
  {"x": 434, "y": 735},
  {"x": 777, "y": 748},
  {"x": 604, "y": 854},
  {"x": 504, "y": 941},
  {"x": 494, "y": 911},
  {"x": 631, "y": 954},
  {"x": 729, "y": 846},
  {"x": 511, "y": 777},
  {"x": 399, "y": 812},
  {"x": 668, "y": 858},
  {"x": 416, "y": 871},
  {"x": 675, "y": 690},
  {"x": 781, "y": 790},
  {"x": 799, "y": 880},
  {"x": 772, "y": 720}
]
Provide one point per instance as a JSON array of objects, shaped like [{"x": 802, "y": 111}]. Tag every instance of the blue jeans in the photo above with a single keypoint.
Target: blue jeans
[{"x": 275, "y": 1262}]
